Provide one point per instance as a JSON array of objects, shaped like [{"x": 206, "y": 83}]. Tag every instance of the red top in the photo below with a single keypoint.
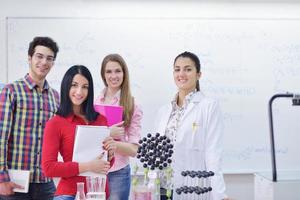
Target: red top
[{"x": 59, "y": 136}]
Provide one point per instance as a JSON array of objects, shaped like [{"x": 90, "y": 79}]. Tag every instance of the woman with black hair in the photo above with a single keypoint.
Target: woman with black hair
[
  {"x": 76, "y": 108},
  {"x": 193, "y": 122}
]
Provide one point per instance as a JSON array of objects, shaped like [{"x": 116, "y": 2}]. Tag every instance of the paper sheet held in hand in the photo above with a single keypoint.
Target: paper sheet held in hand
[
  {"x": 20, "y": 177},
  {"x": 88, "y": 145}
]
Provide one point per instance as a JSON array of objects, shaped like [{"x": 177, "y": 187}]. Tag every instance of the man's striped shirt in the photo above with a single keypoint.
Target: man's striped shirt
[{"x": 24, "y": 111}]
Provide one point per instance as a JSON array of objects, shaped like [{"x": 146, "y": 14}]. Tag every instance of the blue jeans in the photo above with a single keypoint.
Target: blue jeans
[
  {"x": 36, "y": 191},
  {"x": 64, "y": 197},
  {"x": 119, "y": 184}
]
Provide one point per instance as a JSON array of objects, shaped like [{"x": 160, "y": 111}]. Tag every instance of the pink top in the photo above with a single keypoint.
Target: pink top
[{"x": 132, "y": 132}]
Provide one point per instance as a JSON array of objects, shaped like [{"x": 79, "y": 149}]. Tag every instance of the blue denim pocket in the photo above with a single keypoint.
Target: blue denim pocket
[
  {"x": 119, "y": 184},
  {"x": 64, "y": 197}
]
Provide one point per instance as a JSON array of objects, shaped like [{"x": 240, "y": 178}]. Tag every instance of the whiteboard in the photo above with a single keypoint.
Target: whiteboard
[{"x": 244, "y": 62}]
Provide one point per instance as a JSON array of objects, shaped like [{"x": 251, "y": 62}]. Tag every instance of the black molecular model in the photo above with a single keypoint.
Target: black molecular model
[
  {"x": 155, "y": 151},
  {"x": 196, "y": 184}
]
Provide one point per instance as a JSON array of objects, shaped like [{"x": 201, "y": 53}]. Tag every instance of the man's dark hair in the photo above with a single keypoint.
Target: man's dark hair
[{"x": 42, "y": 41}]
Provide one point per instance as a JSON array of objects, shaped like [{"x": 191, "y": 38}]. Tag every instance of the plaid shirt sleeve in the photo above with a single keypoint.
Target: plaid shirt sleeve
[{"x": 6, "y": 115}]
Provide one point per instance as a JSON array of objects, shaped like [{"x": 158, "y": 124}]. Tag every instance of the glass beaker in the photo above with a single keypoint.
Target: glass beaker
[
  {"x": 141, "y": 193},
  {"x": 96, "y": 187},
  {"x": 80, "y": 191}
]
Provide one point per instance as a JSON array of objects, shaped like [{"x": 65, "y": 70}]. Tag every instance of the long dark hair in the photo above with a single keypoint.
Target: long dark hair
[
  {"x": 196, "y": 61},
  {"x": 87, "y": 106}
]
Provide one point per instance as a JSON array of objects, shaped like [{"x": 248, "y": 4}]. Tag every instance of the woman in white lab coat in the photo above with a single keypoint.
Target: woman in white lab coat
[{"x": 193, "y": 122}]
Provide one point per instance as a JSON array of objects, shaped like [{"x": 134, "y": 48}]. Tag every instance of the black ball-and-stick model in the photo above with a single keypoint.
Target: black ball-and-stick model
[
  {"x": 197, "y": 184},
  {"x": 155, "y": 151}
]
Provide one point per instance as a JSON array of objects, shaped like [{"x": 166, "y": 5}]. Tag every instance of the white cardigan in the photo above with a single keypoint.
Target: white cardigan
[{"x": 198, "y": 143}]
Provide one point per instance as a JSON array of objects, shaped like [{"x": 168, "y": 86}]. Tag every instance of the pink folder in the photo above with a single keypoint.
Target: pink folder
[{"x": 113, "y": 113}]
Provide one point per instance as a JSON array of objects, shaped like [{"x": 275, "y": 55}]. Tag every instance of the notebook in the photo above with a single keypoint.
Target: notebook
[
  {"x": 113, "y": 113},
  {"x": 20, "y": 177},
  {"x": 87, "y": 145}
]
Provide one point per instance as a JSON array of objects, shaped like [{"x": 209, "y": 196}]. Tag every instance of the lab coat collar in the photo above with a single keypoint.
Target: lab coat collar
[
  {"x": 198, "y": 96},
  {"x": 167, "y": 109}
]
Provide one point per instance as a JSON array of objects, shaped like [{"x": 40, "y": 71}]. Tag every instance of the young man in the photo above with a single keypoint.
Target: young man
[{"x": 25, "y": 107}]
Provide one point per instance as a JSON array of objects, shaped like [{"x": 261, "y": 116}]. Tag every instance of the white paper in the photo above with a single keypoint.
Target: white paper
[
  {"x": 88, "y": 145},
  {"x": 20, "y": 177}
]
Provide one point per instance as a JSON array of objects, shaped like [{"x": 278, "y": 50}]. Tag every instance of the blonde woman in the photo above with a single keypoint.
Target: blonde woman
[{"x": 115, "y": 76}]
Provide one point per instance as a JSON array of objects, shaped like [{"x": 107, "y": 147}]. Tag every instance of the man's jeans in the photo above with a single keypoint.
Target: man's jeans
[{"x": 37, "y": 191}]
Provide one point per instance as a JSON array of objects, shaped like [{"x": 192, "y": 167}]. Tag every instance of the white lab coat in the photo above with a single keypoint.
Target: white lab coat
[{"x": 197, "y": 147}]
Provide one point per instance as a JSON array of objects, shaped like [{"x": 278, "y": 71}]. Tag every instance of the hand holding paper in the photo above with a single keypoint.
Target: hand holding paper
[
  {"x": 19, "y": 182},
  {"x": 99, "y": 165},
  {"x": 110, "y": 144},
  {"x": 88, "y": 147},
  {"x": 8, "y": 188}
]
